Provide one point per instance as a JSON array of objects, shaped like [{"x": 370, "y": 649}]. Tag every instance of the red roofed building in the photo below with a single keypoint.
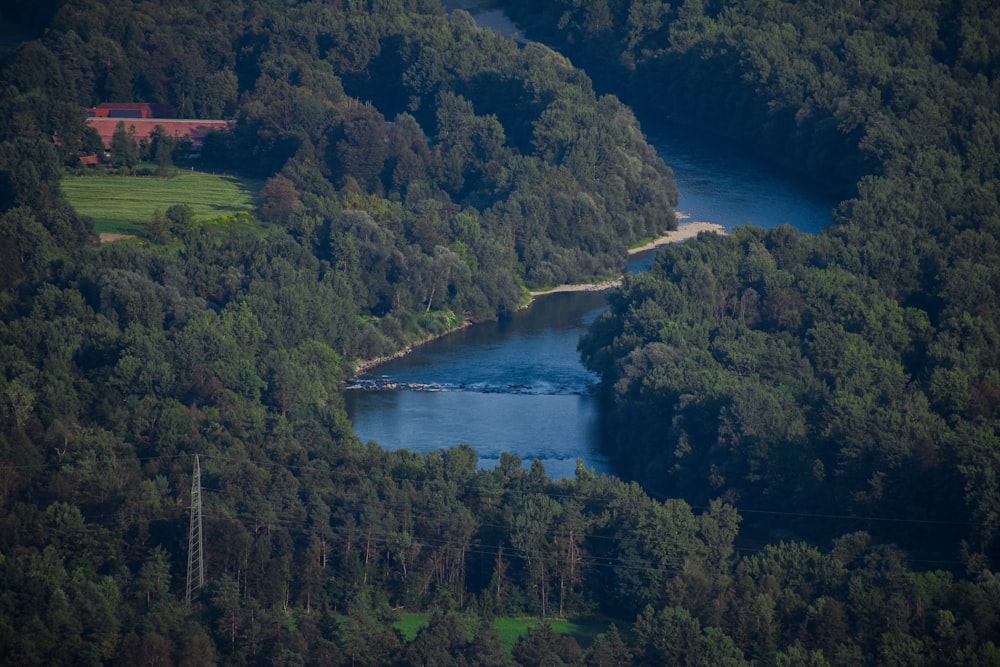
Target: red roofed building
[{"x": 143, "y": 127}]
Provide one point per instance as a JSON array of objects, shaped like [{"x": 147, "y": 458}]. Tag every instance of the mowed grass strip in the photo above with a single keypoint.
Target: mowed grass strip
[{"x": 124, "y": 203}]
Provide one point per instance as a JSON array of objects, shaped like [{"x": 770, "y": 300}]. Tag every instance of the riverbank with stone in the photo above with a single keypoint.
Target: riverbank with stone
[{"x": 364, "y": 365}]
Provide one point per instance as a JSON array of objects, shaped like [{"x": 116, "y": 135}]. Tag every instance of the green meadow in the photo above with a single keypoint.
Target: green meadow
[{"x": 122, "y": 204}]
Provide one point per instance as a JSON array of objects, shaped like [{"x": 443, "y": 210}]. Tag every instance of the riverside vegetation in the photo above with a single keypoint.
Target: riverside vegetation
[{"x": 416, "y": 171}]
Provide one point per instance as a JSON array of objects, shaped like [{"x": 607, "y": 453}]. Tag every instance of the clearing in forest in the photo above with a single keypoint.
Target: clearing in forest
[{"x": 123, "y": 204}]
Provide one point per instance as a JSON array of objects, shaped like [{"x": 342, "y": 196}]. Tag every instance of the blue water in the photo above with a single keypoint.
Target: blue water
[
  {"x": 518, "y": 386},
  {"x": 717, "y": 182},
  {"x": 513, "y": 386},
  {"x": 722, "y": 185}
]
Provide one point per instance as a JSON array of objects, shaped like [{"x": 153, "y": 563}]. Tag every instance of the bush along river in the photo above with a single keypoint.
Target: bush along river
[{"x": 518, "y": 385}]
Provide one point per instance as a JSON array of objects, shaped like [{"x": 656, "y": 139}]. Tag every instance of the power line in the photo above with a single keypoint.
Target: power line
[
  {"x": 394, "y": 506},
  {"x": 555, "y": 494}
]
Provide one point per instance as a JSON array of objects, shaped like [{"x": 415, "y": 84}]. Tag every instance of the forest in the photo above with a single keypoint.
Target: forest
[
  {"x": 808, "y": 423},
  {"x": 855, "y": 369}
]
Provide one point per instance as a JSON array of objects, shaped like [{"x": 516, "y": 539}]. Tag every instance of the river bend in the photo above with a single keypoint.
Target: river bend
[{"x": 518, "y": 385}]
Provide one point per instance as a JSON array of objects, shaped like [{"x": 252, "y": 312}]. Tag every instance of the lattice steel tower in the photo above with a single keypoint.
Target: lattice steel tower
[{"x": 196, "y": 560}]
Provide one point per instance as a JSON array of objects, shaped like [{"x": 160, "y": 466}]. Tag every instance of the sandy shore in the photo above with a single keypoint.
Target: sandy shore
[
  {"x": 578, "y": 287},
  {"x": 684, "y": 231}
]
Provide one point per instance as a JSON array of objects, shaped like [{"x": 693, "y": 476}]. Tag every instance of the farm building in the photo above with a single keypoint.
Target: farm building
[{"x": 143, "y": 118}]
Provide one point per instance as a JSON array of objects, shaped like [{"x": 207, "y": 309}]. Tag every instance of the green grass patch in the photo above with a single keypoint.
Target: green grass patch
[
  {"x": 510, "y": 629},
  {"x": 122, "y": 204},
  {"x": 409, "y": 625},
  {"x": 583, "y": 630}
]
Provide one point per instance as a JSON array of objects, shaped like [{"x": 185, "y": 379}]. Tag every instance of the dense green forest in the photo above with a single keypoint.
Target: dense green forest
[
  {"x": 856, "y": 371},
  {"x": 420, "y": 172},
  {"x": 806, "y": 379}
]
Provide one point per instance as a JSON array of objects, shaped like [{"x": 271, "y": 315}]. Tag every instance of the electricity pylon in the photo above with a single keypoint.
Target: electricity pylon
[{"x": 196, "y": 560}]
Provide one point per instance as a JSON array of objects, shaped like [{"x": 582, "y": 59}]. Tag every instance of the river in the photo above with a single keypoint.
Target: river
[{"x": 518, "y": 385}]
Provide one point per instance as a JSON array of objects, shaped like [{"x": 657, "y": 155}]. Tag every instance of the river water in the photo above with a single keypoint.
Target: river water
[{"x": 518, "y": 385}]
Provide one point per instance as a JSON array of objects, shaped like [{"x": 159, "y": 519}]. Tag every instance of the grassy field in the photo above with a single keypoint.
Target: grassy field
[
  {"x": 511, "y": 629},
  {"x": 121, "y": 204}
]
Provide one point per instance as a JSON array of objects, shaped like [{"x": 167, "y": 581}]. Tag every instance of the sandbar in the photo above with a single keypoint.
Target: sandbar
[{"x": 684, "y": 232}]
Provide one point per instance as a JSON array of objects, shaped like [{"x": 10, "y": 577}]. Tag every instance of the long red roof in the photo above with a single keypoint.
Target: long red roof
[{"x": 195, "y": 129}]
